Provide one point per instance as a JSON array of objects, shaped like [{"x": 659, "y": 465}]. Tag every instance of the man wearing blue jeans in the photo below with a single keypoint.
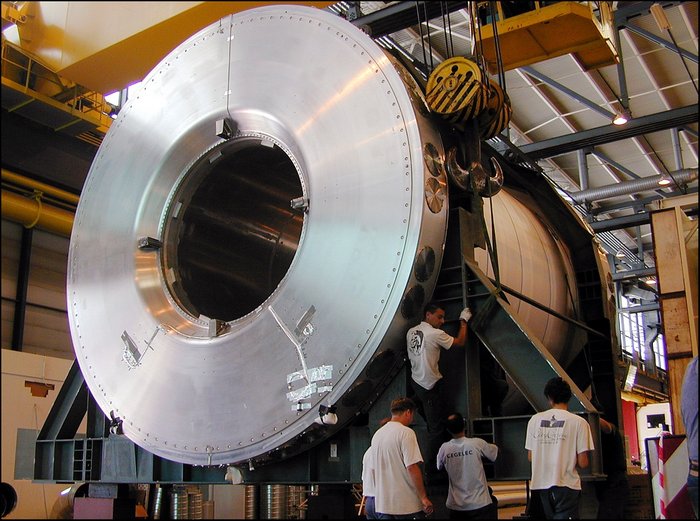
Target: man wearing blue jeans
[
  {"x": 557, "y": 442},
  {"x": 689, "y": 412}
]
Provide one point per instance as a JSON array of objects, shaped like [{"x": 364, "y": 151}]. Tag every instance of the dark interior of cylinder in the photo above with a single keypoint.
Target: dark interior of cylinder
[{"x": 232, "y": 240}]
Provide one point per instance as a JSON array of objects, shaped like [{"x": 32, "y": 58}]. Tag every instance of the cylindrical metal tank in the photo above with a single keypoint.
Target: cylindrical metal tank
[
  {"x": 261, "y": 225},
  {"x": 534, "y": 262}
]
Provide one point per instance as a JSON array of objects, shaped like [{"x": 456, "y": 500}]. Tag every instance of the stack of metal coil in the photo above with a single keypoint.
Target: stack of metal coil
[{"x": 178, "y": 503}]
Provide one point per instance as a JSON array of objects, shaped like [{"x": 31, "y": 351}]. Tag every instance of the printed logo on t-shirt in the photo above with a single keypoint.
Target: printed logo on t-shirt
[
  {"x": 460, "y": 453},
  {"x": 553, "y": 423},
  {"x": 551, "y": 431},
  {"x": 415, "y": 343}
]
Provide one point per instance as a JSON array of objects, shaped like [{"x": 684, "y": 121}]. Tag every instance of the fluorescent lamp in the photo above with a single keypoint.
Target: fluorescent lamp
[{"x": 664, "y": 181}]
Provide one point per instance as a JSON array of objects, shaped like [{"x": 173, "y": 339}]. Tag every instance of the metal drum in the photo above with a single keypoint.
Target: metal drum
[
  {"x": 534, "y": 262},
  {"x": 248, "y": 242}
]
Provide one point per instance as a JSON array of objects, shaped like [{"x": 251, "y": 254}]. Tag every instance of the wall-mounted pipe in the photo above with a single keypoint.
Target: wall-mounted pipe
[
  {"x": 33, "y": 212},
  {"x": 630, "y": 187},
  {"x": 44, "y": 188}
]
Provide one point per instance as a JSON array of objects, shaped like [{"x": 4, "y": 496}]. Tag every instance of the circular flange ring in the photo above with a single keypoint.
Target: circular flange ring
[{"x": 247, "y": 234}]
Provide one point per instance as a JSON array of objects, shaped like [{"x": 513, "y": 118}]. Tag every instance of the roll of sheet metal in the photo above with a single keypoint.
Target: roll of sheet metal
[
  {"x": 274, "y": 502},
  {"x": 158, "y": 502},
  {"x": 179, "y": 503},
  {"x": 251, "y": 502},
  {"x": 246, "y": 242}
]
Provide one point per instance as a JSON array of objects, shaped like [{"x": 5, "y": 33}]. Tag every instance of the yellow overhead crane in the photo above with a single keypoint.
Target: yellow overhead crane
[
  {"x": 531, "y": 32},
  {"x": 63, "y": 57},
  {"x": 107, "y": 46}
]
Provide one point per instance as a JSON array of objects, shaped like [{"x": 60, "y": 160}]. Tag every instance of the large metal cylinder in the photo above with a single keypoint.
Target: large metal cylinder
[
  {"x": 261, "y": 225},
  {"x": 534, "y": 262},
  {"x": 247, "y": 234}
]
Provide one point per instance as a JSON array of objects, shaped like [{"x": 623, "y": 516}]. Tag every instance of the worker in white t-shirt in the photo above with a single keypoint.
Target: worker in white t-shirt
[
  {"x": 368, "y": 483},
  {"x": 398, "y": 481},
  {"x": 558, "y": 442},
  {"x": 368, "y": 478},
  {"x": 468, "y": 496},
  {"x": 424, "y": 343}
]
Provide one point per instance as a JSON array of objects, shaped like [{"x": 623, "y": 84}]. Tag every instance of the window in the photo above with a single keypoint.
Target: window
[{"x": 637, "y": 340}]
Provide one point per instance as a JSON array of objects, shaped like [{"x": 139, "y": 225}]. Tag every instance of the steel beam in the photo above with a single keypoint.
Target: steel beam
[
  {"x": 25, "y": 255},
  {"x": 68, "y": 409},
  {"x": 634, "y": 274},
  {"x": 618, "y": 223},
  {"x": 566, "y": 90},
  {"x": 403, "y": 15},
  {"x": 627, "y": 10},
  {"x": 610, "y": 133},
  {"x": 640, "y": 309},
  {"x": 612, "y": 162},
  {"x": 660, "y": 41}
]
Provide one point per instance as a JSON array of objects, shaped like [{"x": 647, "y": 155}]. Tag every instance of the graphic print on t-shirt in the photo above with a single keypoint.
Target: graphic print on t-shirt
[
  {"x": 553, "y": 423},
  {"x": 415, "y": 344},
  {"x": 551, "y": 431}
]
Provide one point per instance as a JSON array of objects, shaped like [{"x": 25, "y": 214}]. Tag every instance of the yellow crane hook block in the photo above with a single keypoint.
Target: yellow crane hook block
[{"x": 456, "y": 90}]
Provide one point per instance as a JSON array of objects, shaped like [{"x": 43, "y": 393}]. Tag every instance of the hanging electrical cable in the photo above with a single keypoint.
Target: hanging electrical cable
[
  {"x": 447, "y": 30},
  {"x": 497, "y": 45},
  {"x": 422, "y": 40},
  {"x": 430, "y": 44}
]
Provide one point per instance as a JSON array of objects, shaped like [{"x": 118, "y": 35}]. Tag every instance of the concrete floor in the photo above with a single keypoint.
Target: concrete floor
[{"x": 510, "y": 512}]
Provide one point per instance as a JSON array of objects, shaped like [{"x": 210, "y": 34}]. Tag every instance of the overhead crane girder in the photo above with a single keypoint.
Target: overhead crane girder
[{"x": 107, "y": 46}]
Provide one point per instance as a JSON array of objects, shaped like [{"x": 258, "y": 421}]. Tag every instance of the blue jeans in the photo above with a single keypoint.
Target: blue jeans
[
  {"x": 559, "y": 502},
  {"x": 487, "y": 512},
  {"x": 431, "y": 405},
  {"x": 369, "y": 508}
]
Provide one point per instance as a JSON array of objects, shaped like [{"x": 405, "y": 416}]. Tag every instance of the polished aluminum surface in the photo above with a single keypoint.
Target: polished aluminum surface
[{"x": 279, "y": 157}]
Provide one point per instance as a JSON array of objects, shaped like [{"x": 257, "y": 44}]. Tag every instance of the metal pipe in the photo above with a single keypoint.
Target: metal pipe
[
  {"x": 49, "y": 190},
  {"x": 30, "y": 213},
  {"x": 582, "y": 169},
  {"x": 677, "y": 156},
  {"x": 631, "y": 187}
]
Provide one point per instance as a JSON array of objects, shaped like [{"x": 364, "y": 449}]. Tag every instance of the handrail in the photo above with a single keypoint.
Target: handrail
[{"x": 27, "y": 72}]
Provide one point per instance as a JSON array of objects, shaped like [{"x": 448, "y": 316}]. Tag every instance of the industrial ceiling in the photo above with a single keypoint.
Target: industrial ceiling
[{"x": 562, "y": 106}]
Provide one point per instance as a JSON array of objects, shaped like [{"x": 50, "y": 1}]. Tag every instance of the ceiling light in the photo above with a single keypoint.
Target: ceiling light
[
  {"x": 659, "y": 17},
  {"x": 651, "y": 281},
  {"x": 622, "y": 117},
  {"x": 620, "y": 254},
  {"x": 664, "y": 181}
]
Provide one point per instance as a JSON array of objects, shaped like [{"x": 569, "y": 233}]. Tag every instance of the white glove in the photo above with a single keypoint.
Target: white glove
[{"x": 465, "y": 315}]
